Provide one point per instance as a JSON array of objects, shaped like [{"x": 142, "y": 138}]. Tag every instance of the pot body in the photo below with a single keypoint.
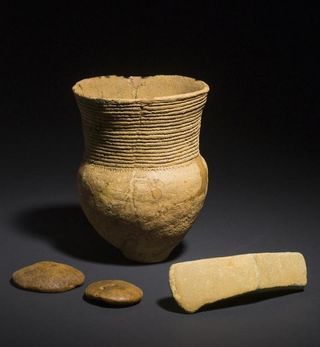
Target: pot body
[{"x": 143, "y": 181}]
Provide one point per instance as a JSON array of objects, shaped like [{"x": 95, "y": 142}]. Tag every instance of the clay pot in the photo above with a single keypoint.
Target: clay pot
[{"x": 143, "y": 181}]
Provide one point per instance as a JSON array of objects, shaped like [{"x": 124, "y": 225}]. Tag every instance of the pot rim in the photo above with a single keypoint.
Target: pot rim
[{"x": 180, "y": 96}]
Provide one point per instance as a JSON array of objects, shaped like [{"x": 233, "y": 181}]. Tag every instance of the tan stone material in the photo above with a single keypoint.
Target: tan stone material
[
  {"x": 48, "y": 276},
  {"x": 200, "y": 282},
  {"x": 143, "y": 181},
  {"x": 114, "y": 292}
]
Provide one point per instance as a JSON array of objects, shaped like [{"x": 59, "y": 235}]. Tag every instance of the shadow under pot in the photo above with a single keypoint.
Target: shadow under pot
[{"x": 143, "y": 181}]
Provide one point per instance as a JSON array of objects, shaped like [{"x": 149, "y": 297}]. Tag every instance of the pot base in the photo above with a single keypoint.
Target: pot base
[{"x": 147, "y": 258}]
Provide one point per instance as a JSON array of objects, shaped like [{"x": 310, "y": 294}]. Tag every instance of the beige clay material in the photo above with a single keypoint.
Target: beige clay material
[
  {"x": 200, "y": 282},
  {"x": 143, "y": 181}
]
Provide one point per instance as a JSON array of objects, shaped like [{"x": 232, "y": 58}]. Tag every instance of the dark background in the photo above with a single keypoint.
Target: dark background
[{"x": 260, "y": 137}]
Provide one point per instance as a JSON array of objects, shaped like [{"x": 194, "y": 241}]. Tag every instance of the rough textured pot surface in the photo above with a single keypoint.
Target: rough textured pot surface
[{"x": 143, "y": 181}]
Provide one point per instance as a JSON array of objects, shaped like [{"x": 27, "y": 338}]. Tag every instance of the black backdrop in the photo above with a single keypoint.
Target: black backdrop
[{"x": 260, "y": 137}]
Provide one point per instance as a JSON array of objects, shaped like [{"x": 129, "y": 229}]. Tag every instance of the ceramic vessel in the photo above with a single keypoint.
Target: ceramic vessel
[{"x": 143, "y": 181}]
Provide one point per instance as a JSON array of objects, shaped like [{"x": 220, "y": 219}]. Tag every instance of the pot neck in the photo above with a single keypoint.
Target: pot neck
[{"x": 141, "y": 134}]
